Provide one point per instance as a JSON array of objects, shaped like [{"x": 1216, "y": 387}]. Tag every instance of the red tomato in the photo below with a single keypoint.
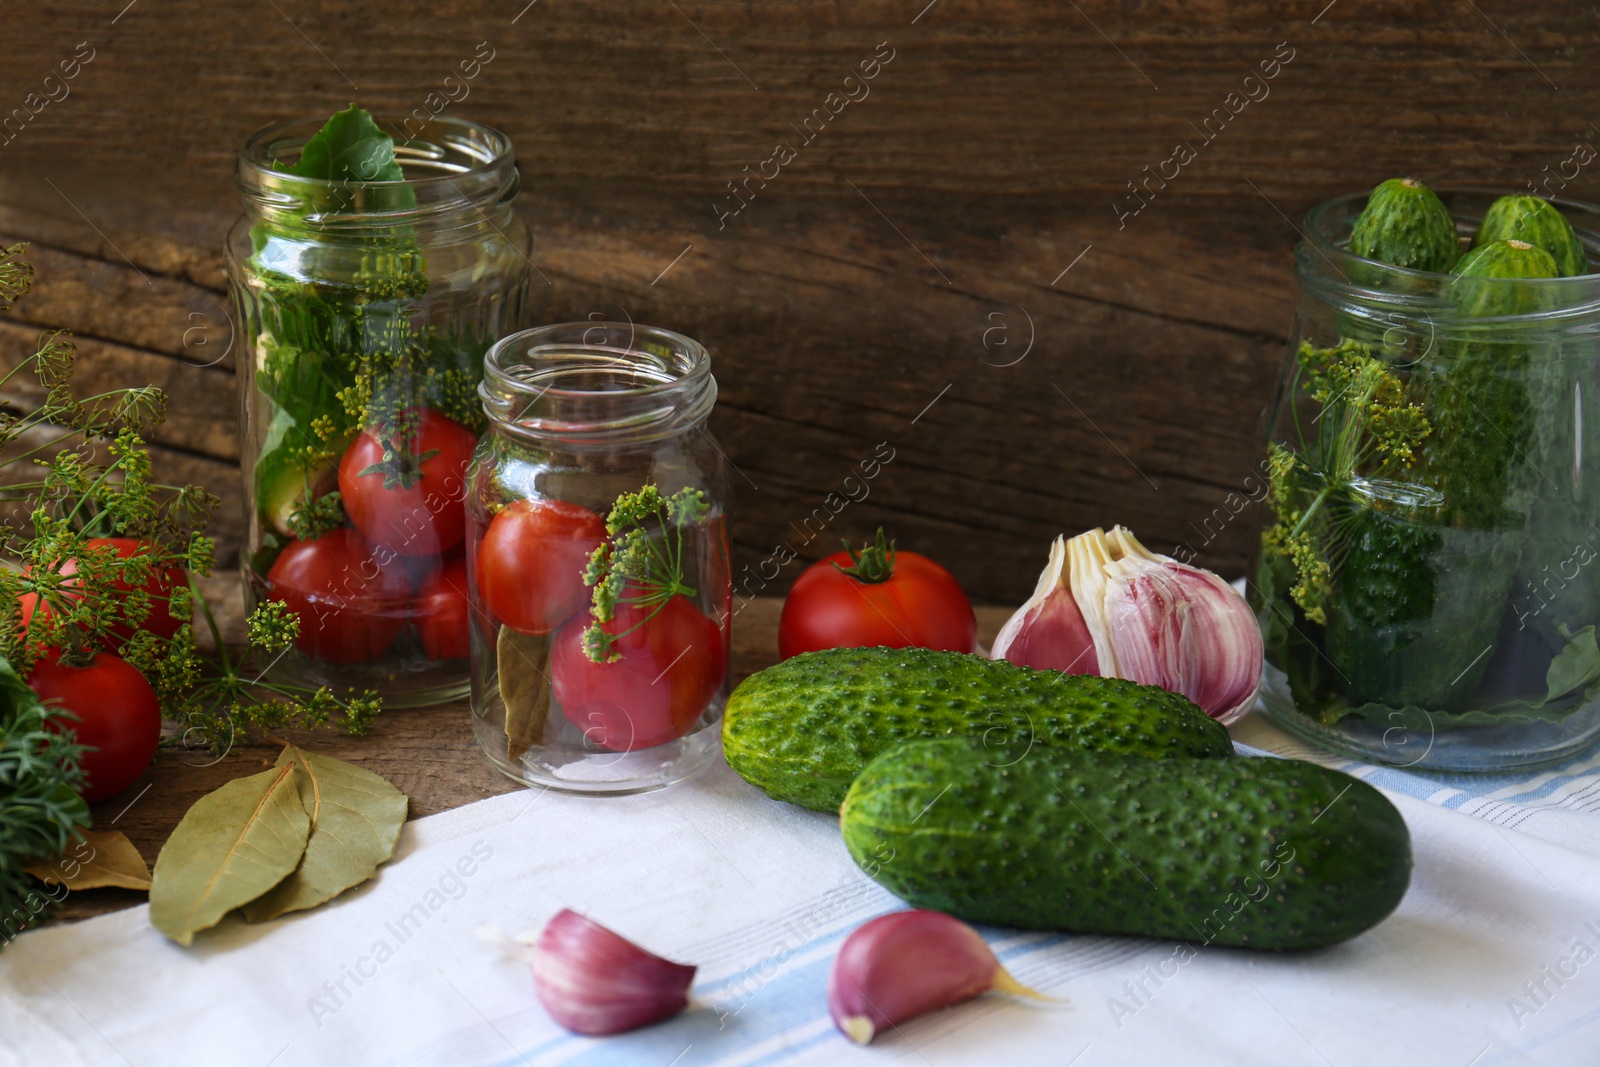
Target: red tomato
[
  {"x": 671, "y": 668},
  {"x": 159, "y": 620},
  {"x": 27, "y": 604},
  {"x": 119, "y": 718},
  {"x": 350, "y": 608},
  {"x": 425, "y": 518},
  {"x": 441, "y": 612},
  {"x": 893, "y": 599},
  {"x": 531, "y": 562}
]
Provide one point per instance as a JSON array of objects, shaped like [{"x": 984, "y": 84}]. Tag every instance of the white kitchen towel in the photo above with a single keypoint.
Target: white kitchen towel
[{"x": 1491, "y": 959}]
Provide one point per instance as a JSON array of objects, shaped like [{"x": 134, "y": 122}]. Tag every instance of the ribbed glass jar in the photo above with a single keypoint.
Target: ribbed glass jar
[
  {"x": 597, "y": 461},
  {"x": 365, "y": 309},
  {"x": 1429, "y": 578}
]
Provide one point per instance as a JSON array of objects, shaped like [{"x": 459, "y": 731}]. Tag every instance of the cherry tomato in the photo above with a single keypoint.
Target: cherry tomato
[
  {"x": 159, "y": 620},
  {"x": 416, "y": 511},
  {"x": 671, "y": 668},
  {"x": 350, "y": 608},
  {"x": 881, "y": 597},
  {"x": 441, "y": 612},
  {"x": 531, "y": 562},
  {"x": 119, "y": 718}
]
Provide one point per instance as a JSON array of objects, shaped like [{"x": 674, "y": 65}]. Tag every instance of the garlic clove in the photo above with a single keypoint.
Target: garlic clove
[
  {"x": 1182, "y": 628},
  {"x": 1088, "y": 556},
  {"x": 595, "y": 981},
  {"x": 1049, "y": 632},
  {"x": 906, "y": 963}
]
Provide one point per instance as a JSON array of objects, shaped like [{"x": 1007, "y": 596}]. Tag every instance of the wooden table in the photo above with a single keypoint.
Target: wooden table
[{"x": 429, "y": 753}]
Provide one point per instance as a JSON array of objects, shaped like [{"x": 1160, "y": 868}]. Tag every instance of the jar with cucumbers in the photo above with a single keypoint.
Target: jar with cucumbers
[
  {"x": 370, "y": 273},
  {"x": 597, "y": 550},
  {"x": 1428, "y": 584}
]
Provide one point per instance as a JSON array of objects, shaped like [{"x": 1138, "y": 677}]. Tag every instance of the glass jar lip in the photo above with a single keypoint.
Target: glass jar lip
[
  {"x": 597, "y": 380},
  {"x": 1333, "y": 217},
  {"x": 475, "y": 164}
]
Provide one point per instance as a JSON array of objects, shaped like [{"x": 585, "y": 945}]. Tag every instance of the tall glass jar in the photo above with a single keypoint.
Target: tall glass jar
[
  {"x": 598, "y": 559},
  {"x": 1429, "y": 577},
  {"x": 365, "y": 308}
]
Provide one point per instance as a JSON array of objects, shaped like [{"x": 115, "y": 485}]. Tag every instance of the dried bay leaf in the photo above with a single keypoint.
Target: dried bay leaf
[
  {"x": 232, "y": 846},
  {"x": 356, "y": 818},
  {"x": 100, "y": 859},
  {"x": 522, "y": 661}
]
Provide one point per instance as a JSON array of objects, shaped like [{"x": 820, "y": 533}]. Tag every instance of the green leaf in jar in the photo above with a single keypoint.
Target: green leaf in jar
[
  {"x": 232, "y": 846},
  {"x": 522, "y": 664},
  {"x": 356, "y": 818},
  {"x": 349, "y": 147}
]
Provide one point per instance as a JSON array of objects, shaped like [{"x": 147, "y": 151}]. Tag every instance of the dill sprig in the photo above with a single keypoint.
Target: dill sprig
[
  {"x": 1366, "y": 434},
  {"x": 641, "y": 564}
]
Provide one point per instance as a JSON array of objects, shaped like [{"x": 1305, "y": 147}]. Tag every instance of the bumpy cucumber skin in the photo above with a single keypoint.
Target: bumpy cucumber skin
[
  {"x": 1385, "y": 600},
  {"x": 1255, "y": 853},
  {"x": 1405, "y": 224},
  {"x": 802, "y": 730},
  {"x": 1477, "y": 391},
  {"x": 1537, "y": 221},
  {"x": 1418, "y": 605}
]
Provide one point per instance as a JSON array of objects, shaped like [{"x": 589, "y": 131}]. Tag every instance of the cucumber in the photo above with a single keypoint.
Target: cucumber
[
  {"x": 1477, "y": 389},
  {"x": 802, "y": 730},
  {"x": 1508, "y": 259},
  {"x": 294, "y": 468},
  {"x": 1257, "y": 853},
  {"x": 1538, "y": 222},
  {"x": 1419, "y": 607},
  {"x": 1405, "y": 224}
]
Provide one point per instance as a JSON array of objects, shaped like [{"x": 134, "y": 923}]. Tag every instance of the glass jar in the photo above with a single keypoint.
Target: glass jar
[
  {"x": 1429, "y": 576},
  {"x": 599, "y": 659},
  {"x": 366, "y": 309}
]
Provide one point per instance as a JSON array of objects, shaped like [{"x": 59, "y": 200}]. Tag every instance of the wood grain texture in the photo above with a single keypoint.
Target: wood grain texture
[
  {"x": 428, "y": 753},
  {"x": 931, "y": 220}
]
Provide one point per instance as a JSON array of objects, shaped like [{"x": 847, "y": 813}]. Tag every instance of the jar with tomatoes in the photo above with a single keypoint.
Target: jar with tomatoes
[
  {"x": 597, "y": 552},
  {"x": 370, "y": 274}
]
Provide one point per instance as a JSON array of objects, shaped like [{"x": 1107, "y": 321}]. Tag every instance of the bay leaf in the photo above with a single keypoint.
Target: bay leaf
[
  {"x": 232, "y": 846},
  {"x": 105, "y": 858},
  {"x": 521, "y": 661},
  {"x": 355, "y": 824}
]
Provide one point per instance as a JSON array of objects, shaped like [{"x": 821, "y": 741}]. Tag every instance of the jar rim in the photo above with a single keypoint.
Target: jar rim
[
  {"x": 596, "y": 381},
  {"x": 1325, "y": 233},
  {"x": 475, "y": 164}
]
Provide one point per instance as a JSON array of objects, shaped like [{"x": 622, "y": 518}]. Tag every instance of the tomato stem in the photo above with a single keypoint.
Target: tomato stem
[{"x": 873, "y": 564}]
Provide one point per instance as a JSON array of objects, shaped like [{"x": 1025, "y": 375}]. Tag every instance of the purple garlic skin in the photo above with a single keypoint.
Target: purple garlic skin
[
  {"x": 1048, "y": 632},
  {"x": 905, "y": 964},
  {"x": 1184, "y": 629},
  {"x": 595, "y": 981}
]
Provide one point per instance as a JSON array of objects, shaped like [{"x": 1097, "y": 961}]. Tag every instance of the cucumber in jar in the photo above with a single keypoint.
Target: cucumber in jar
[
  {"x": 1405, "y": 224},
  {"x": 1421, "y": 592},
  {"x": 1538, "y": 222}
]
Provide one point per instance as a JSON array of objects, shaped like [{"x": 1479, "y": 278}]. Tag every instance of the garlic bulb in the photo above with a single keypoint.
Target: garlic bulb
[
  {"x": 1149, "y": 619},
  {"x": 906, "y": 963}
]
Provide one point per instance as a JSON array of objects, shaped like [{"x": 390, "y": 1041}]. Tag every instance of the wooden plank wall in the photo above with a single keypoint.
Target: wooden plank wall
[{"x": 954, "y": 265}]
